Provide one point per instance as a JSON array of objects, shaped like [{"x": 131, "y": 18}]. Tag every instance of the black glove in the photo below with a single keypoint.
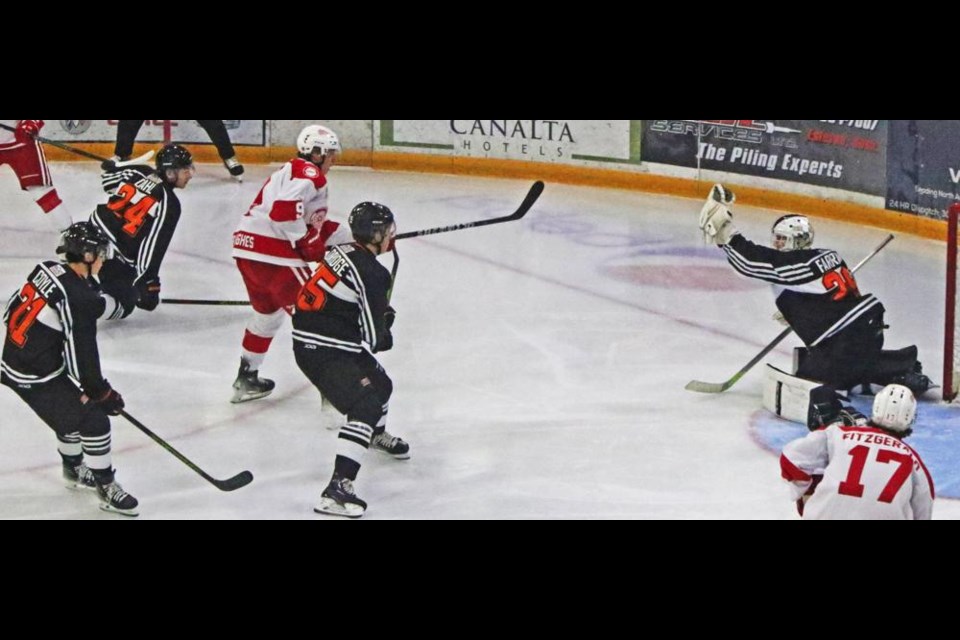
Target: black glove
[
  {"x": 389, "y": 316},
  {"x": 852, "y": 418},
  {"x": 149, "y": 290},
  {"x": 824, "y": 407},
  {"x": 109, "y": 401}
]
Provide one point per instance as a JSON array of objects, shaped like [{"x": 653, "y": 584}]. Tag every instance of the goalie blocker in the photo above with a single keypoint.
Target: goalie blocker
[{"x": 805, "y": 401}]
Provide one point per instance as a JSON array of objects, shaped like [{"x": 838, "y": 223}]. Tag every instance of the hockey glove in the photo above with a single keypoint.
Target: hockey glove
[
  {"x": 311, "y": 246},
  {"x": 27, "y": 130},
  {"x": 852, "y": 418},
  {"x": 109, "y": 401},
  {"x": 716, "y": 221},
  {"x": 149, "y": 291},
  {"x": 389, "y": 316},
  {"x": 778, "y": 316},
  {"x": 824, "y": 408}
]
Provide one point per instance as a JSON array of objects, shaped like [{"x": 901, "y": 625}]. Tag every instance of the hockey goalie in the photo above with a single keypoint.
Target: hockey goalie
[{"x": 818, "y": 296}]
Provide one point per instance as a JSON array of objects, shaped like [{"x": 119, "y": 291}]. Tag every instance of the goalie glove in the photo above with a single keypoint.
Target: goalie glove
[{"x": 716, "y": 221}]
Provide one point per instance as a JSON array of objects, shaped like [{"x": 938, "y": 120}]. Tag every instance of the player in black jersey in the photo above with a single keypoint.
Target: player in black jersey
[
  {"x": 818, "y": 296},
  {"x": 140, "y": 218},
  {"x": 342, "y": 317},
  {"x": 50, "y": 359}
]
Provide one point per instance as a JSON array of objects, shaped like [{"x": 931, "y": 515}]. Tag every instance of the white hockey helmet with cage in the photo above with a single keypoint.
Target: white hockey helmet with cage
[
  {"x": 317, "y": 138},
  {"x": 792, "y": 232},
  {"x": 895, "y": 408}
]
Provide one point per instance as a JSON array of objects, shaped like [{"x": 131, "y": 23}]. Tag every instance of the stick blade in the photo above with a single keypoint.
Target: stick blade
[
  {"x": 707, "y": 387},
  {"x": 529, "y": 200},
  {"x": 242, "y": 479}
]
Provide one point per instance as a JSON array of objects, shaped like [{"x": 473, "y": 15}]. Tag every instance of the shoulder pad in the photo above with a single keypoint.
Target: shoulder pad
[{"x": 306, "y": 170}]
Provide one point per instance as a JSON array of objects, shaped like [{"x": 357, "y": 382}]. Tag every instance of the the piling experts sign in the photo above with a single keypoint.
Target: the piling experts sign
[{"x": 845, "y": 154}]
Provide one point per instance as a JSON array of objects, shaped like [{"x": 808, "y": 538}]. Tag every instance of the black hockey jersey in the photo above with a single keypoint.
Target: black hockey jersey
[
  {"x": 344, "y": 303},
  {"x": 52, "y": 328},
  {"x": 816, "y": 291},
  {"x": 139, "y": 218}
]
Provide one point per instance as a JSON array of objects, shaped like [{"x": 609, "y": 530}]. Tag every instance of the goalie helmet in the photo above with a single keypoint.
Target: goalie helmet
[
  {"x": 317, "y": 139},
  {"x": 895, "y": 408},
  {"x": 369, "y": 221},
  {"x": 792, "y": 232},
  {"x": 82, "y": 238}
]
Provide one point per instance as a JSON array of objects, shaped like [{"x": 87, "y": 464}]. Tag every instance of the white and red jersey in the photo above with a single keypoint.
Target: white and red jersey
[
  {"x": 8, "y": 139},
  {"x": 287, "y": 223},
  {"x": 868, "y": 474}
]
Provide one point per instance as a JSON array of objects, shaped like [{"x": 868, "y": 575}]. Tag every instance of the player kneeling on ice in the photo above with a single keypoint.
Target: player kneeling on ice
[
  {"x": 51, "y": 343},
  {"x": 849, "y": 468},
  {"x": 344, "y": 305},
  {"x": 140, "y": 218},
  {"x": 818, "y": 297}
]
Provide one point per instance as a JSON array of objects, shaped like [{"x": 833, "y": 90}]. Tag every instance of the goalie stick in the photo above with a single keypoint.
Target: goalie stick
[
  {"x": 720, "y": 387},
  {"x": 242, "y": 479},
  {"x": 86, "y": 154},
  {"x": 525, "y": 206}
]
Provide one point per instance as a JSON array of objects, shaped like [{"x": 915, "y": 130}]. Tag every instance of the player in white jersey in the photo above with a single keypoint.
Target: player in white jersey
[
  {"x": 285, "y": 229},
  {"x": 24, "y": 154},
  {"x": 862, "y": 471}
]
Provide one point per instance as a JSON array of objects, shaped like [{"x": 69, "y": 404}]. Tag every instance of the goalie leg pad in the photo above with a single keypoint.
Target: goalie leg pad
[{"x": 787, "y": 396}]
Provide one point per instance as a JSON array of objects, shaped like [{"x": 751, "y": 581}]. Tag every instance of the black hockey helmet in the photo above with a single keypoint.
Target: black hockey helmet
[
  {"x": 82, "y": 238},
  {"x": 369, "y": 221},
  {"x": 173, "y": 156}
]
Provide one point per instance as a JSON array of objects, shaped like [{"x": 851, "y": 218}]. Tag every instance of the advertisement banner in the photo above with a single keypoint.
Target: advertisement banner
[
  {"x": 242, "y": 132},
  {"x": 563, "y": 141},
  {"x": 923, "y": 166},
  {"x": 844, "y": 154}
]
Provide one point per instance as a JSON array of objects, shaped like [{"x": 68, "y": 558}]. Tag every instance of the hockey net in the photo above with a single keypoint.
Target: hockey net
[{"x": 951, "y": 337}]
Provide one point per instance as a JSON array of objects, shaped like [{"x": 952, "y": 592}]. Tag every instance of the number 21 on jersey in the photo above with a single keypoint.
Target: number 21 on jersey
[
  {"x": 131, "y": 209},
  {"x": 23, "y": 317}
]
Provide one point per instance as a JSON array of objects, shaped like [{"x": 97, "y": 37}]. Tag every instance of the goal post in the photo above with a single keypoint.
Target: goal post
[{"x": 951, "y": 333}]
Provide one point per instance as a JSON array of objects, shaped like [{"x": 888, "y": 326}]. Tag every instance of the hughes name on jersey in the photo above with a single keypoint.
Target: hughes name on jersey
[
  {"x": 52, "y": 328},
  {"x": 816, "y": 291},
  {"x": 287, "y": 223},
  {"x": 139, "y": 218},
  {"x": 344, "y": 303}
]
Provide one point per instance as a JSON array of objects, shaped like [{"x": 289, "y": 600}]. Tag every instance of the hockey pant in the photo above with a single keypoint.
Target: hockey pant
[
  {"x": 79, "y": 427},
  {"x": 357, "y": 386},
  {"x": 848, "y": 358},
  {"x": 272, "y": 290},
  {"x": 116, "y": 284}
]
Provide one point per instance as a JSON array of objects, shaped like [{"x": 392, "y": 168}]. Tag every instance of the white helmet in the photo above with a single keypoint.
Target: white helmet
[
  {"x": 315, "y": 136},
  {"x": 895, "y": 408},
  {"x": 792, "y": 232}
]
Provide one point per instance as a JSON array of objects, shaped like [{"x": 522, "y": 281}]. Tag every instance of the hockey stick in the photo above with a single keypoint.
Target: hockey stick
[
  {"x": 242, "y": 479},
  {"x": 720, "y": 387},
  {"x": 528, "y": 202},
  {"x": 226, "y": 303},
  {"x": 393, "y": 273},
  {"x": 86, "y": 154}
]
